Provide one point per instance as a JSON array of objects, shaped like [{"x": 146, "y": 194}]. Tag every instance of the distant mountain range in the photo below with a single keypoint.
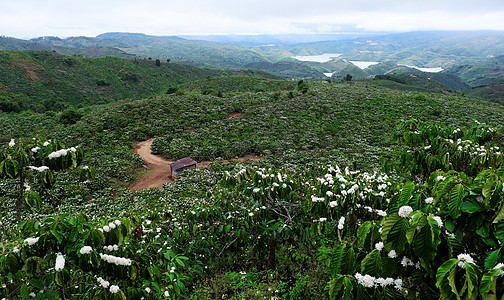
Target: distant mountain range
[{"x": 473, "y": 56}]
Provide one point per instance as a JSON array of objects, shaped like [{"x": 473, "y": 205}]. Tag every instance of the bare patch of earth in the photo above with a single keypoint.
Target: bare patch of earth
[{"x": 159, "y": 171}]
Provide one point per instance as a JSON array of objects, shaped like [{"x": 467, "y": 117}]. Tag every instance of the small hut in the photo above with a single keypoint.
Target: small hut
[{"x": 177, "y": 167}]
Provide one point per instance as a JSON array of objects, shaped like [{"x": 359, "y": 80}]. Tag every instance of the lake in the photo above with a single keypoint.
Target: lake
[
  {"x": 429, "y": 70},
  {"x": 318, "y": 58},
  {"x": 364, "y": 64}
]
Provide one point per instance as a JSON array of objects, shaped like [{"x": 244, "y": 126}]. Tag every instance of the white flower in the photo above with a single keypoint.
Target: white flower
[
  {"x": 427, "y": 147},
  {"x": 15, "y": 250},
  {"x": 479, "y": 199},
  {"x": 104, "y": 283},
  {"x": 251, "y": 214},
  {"x": 106, "y": 228},
  {"x": 464, "y": 258},
  {"x": 40, "y": 169},
  {"x": 398, "y": 283},
  {"x": 117, "y": 222},
  {"x": 114, "y": 289},
  {"x": 333, "y": 203},
  {"x": 119, "y": 261},
  {"x": 256, "y": 190},
  {"x": 31, "y": 241},
  {"x": 329, "y": 193},
  {"x": 147, "y": 289},
  {"x": 34, "y": 150},
  {"x": 112, "y": 225},
  {"x": 405, "y": 261},
  {"x": 440, "y": 178},
  {"x": 341, "y": 223},
  {"x": 86, "y": 250},
  {"x": 501, "y": 267},
  {"x": 46, "y": 143},
  {"x": 323, "y": 219},
  {"x": 56, "y": 154},
  {"x": 60, "y": 262},
  {"x": 12, "y": 143},
  {"x": 404, "y": 211},
  {"x": 429, "y": 200},
  {"x": 379, "y": 246},
  {"x": 392, "y": 254},
  {"x": 366, "y": 280},
  {"x": 438, "y": 220},
  {"x": 381, "y": 213},
  {"x": 167, "y": 294},
  {"x": 317, "y": 199}
]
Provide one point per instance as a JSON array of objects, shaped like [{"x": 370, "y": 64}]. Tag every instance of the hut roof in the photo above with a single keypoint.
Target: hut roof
[{"x": 182, "y": 163}]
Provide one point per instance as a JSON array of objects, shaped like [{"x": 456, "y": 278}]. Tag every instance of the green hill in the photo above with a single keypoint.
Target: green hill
[
  {"x": 43, "y": 80},
  {"x": 492, "y": 92},
  {"x": 315, "y": 218},
  {"x": 483, "y": 73}
]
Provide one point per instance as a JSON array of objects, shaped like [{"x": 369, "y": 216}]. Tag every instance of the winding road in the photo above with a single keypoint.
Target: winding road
[{"x": 159, "y": 171}]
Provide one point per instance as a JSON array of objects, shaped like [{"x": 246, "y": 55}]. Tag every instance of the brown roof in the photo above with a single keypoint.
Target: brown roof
[{"x": 182, "y": 163}]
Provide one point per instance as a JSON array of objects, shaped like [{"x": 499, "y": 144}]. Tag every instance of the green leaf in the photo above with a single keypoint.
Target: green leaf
[
  {"x": 58, "y": 278},
  {"x": 10, "y": 168},
  {"x": 472, "y": 206},
  {"x": 499, "y": 216},
  {"x": 372, "y": 264},
  {"x": 363, "y": 231},
  {"x": 444, "y": 270},
  {"x": 335, "y": 286},
  {"x": 56, "y": 234},
  {"x": 492, "y": 259},
  {"x": 394, "y": 232},
  {"x": 472, "y": 281},
  {"x": 457, "y": 194},
  {"x": 25, "y": 294},
  {"x": 37, "y": 283},
  {"x": 406, "y": 193},
  {"x": 488, "y": 283},
  {"x": 348, "y": 283},
  {"x": 424, "y": 245}
]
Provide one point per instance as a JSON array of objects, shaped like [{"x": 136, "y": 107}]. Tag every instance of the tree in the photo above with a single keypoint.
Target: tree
[
  {"x": 70, "y": 116},
  {"x": 348, "y": 78},
  {"x": 158, "y": 63},
  {"x": 22, "y": 159}
]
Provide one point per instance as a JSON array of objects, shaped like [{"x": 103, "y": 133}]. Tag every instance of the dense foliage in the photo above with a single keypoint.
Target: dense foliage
[
  {"x": 43, "y": 80},
  {"x": 315, "y": 219}
]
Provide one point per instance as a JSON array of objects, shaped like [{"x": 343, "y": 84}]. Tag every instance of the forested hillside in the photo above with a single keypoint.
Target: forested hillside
[
  {"x": 364, "y": 190},
  {"x": 43, "y": 80}
]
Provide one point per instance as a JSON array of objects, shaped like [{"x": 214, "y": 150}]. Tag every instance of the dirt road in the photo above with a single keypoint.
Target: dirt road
[
  {"x": 159, "y": 171},
  {"x": 159, "y": 168}
]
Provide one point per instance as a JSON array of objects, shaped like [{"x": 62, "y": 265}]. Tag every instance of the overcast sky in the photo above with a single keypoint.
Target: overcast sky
[{"x": 63, "y": 18}]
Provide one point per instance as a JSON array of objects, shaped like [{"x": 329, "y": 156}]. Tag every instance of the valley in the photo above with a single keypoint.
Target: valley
[{"x": 380, "y": 182}]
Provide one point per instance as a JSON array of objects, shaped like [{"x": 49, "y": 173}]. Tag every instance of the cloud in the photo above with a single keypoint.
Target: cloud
[{"x": 31, "y": 18}]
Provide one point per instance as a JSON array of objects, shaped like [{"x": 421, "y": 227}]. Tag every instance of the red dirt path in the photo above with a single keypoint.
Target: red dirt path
[{"x": 159, "y": 171}]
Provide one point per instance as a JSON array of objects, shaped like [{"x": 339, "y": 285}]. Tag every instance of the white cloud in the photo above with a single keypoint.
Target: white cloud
[{"x": 31, "y": 18}]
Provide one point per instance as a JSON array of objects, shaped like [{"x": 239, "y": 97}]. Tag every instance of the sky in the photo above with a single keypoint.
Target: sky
[{"x": 34, "y": 18}]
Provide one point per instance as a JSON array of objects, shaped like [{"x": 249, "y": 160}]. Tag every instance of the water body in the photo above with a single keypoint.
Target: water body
[
  {"x": 429, "y": 70},
  {"x": 318, "y": 58},
  {"x": 363, "y": 64}
]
